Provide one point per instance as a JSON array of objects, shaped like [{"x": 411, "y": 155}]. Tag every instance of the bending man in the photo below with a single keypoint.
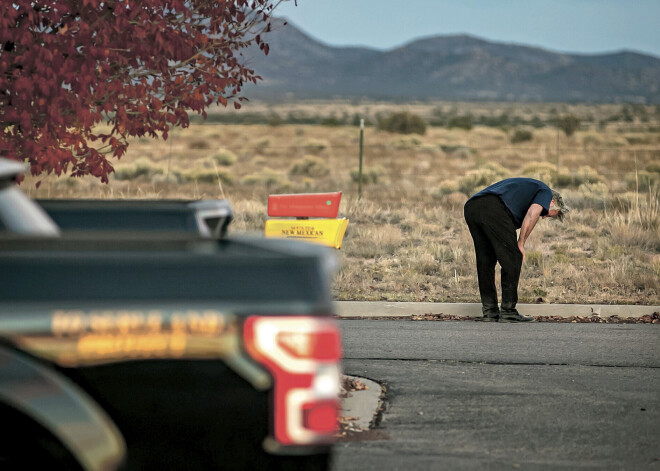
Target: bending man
[{"x": 493, "y": 215}]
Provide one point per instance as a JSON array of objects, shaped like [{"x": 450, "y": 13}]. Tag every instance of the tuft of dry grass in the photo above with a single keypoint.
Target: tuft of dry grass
[
  {"x": 310, "y": 166},
  {"x": 249, "y": 215},
  {"x": 224, "y": 157},
  {"x": 375, "y": 241}
]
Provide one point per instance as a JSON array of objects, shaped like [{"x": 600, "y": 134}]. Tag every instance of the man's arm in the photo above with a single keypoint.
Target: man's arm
[{"x": 532, "y": 216}]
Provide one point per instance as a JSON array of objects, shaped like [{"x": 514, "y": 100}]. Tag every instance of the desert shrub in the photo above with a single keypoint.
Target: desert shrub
[
  {"x": 230, "y": 118},
  {"x": 403, "y": 123},
  {"x": 449, "y": 149},
  {"x": 199, "y": 144},
  {"x": 461, "y": 122},
  {"x": 547, "y": 172},
  {"x": 653, "y": 167},
  {"x": 481, "y": 177},
  {"x": 307, "y": 185},
  {"x": 274, "y": 119},
  {"x": 373, "y": 174},
  {"x": 591, "y": 140},
  {"x": 66, "y": 183},
  {"x": 642, "y": 180},
  {"x": 453, "y": 200},
  {"x": 496, "y": 121},
  {"x": 521, "y": 135},
  {"x": 142, "y": 167},
  {"x": 224, "y": 157},
  {"x": 173, "y": 177},
  {"x": 310, "y": 166},
  {"x": 406, "y": 142},
  {"x": 637, "y": 140},
  {"x": 586, "y": 174},
  {"x": 258, "y": 160},
  {"x": 207, "y": 175},
  {"x": 591, "y": 195},
  {"x": 147, "y": 167},
  {"x": 544, "y": 171},
  {"x": 444, "y": 188},
  {"x": 495, "y": 168},
  {"x": 575, "y": 178},
  {"x": 563, "y": 180},
  {"x": 431, "y": 149},
  {"x": 274, "y": 180},
  {"x": 568, "y": 123},
  {"x": 251, "y": 180},
  {"x": 268, "y": 178},
  {"x": 313, "y": 146},
  {"x": 262, "y": 144},
  {"x": 599, "y": 189},
  {"x": 124, "y": 172},
  {"x": 458, "y": 152},
  {"x": 534, "y": 258},
  {"x": 331, "y": 120}
]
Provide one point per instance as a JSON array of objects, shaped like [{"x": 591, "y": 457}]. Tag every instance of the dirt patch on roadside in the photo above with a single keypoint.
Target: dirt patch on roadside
[{"x": 648, "y": 319}]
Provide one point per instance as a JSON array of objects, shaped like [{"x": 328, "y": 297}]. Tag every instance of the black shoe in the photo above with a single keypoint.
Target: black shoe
[
  {"x": 488, "y": 318},
  {"x": 515, "y": 317}
]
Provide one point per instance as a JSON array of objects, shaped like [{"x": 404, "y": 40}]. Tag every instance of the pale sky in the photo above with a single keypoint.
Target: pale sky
[{"x": 577, "y": 26}]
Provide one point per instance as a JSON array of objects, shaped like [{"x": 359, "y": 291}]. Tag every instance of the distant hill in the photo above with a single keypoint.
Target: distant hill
[{"x": 460, "y": 67}]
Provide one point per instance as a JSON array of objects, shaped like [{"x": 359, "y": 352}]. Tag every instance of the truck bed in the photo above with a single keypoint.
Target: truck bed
[
  {"x": 205, "y": 217},
  {"x": 146, "y": 266}
]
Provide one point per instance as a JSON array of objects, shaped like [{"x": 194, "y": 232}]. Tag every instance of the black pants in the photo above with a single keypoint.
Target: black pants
[{"x": 495, "y": 240}]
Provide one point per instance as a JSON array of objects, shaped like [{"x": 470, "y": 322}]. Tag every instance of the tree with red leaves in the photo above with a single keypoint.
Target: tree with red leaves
[{"x": 140, "y": 65}]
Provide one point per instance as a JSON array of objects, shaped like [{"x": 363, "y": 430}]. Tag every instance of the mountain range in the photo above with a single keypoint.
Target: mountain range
[{"x": 457, "y": 67}]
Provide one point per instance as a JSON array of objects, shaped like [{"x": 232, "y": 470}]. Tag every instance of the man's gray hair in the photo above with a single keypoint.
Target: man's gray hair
[{"x": 560, "y": 205}]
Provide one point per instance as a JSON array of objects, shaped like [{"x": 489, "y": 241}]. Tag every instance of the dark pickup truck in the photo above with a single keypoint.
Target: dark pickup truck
[{"x": 162, "y": 349}]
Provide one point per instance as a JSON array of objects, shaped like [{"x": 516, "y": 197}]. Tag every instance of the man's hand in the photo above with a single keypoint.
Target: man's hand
[{"x": 532, "y": 216}]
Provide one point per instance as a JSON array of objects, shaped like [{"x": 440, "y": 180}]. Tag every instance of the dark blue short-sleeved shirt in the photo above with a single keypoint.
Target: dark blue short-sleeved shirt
[{"x": 518, "y": 194}]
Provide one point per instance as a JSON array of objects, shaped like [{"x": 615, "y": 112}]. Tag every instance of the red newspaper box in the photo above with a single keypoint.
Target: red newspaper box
[{"x": 305, "y": 205}]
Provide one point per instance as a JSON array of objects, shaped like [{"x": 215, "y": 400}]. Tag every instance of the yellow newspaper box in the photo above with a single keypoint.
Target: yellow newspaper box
[{"x": 327, "y": 231}]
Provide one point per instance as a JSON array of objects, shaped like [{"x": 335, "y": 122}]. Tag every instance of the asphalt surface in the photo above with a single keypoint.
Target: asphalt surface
[{"x": 469, "y": 395}]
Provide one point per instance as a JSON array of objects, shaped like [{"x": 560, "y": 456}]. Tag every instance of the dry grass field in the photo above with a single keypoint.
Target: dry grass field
[{"x": 407, "y": 240}]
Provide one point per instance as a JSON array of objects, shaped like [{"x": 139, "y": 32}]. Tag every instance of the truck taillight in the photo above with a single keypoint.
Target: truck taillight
[{"x": 302, "y": 354}]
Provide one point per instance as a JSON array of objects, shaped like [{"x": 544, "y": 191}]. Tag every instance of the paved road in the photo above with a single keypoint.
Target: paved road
[{"x": 469, "y": 395}]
